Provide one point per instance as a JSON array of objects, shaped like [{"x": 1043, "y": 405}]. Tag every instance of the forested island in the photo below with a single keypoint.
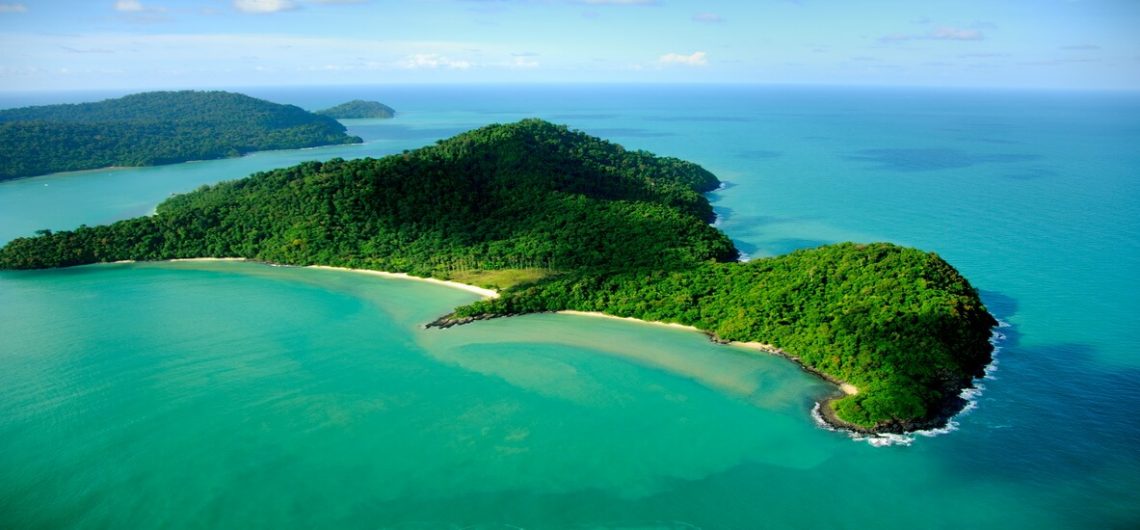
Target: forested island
[
  {"x": 154, "y": 128},
  {"x": 358, "y": 109},
  {"x": 558, "y": 220}
]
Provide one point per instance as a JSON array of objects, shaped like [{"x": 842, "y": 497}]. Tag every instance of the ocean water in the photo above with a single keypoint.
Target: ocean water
[{"x": 205, "y": 395}]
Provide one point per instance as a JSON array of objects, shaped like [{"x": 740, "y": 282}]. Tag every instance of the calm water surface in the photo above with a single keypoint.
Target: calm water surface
[{"x": 204, "y": 395}]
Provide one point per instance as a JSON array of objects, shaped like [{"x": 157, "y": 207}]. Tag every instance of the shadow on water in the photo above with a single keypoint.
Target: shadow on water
[
  {"x": 933, "y": 159},
  {"x": 1051, "y": 418},
  {"x": 747, "y": 250},
  {"x": 1002, "y": 306},
  {"x": 1057, "y": 422},
  {"x": 1052, "y": 413}
]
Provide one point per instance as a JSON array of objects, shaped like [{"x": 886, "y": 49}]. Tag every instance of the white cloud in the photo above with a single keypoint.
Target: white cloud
[
  {"x": 128, "y": 5},
  {"x": 708, "y": 18},
  {"x": 433, "y": 61},
  {"x": 693, "y": 59},
  {"x": 940, "y": 33},
  {"x": 521, "y": 62},
  {"x": 264, "y": 6},
  {"x": 13, "y": 8},
  {"x": 945, "y": 33}
]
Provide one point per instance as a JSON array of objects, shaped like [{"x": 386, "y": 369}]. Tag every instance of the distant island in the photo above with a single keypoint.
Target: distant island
[
  {"x": 154, "y": 128},
  {"x": 357, "y": 109},
  {"x": 558, "y": 220}
]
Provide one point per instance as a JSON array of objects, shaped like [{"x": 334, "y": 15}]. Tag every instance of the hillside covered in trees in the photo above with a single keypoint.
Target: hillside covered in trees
[
  {"x": 357, "y": 109},
  {"x": 154, "y": 128},
  {"x": 599, "y": 228}
]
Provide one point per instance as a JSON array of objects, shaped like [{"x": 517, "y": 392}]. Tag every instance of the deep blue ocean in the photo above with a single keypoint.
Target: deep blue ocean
[{"x": 197, "y": 395}]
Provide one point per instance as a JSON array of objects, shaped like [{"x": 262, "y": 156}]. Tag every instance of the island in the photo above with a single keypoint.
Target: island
[
  {"x": 154, "y": 128},
  {"x": 358, "y": 109},
  {"x": 558, "y": 220}
]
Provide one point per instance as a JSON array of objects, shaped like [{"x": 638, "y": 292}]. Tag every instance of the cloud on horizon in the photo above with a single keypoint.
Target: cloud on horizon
[
  {"x": 939, "y": 33},
  {"x": 264, "y": 6},
  {"x": 128, "y": 6},
  {"x": 693, "y": 59},
  {"x": 433, "y": 61},
  {"x": 708, "y": 18}
]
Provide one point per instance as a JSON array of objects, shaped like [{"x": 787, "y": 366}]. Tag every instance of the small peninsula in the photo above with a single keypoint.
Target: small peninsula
[
  {"x": 557, "y": 220},
  {"x": 358, "y": 109},
  {"x": 154, "y": 128}
]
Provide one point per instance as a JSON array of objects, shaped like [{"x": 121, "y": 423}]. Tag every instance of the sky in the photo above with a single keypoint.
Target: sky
[{"x": 151, "y": 44}]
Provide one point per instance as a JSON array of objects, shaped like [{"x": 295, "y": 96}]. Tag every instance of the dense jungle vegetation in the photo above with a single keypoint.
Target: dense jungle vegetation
[
  {"x": 622, "y": 232},
  {"x": 154, "y": 128}
]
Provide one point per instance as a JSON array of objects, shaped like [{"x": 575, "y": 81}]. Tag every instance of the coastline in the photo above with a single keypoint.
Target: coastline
[
  {"x": 481, "y": 291},
  {"x": 822, "y": 411},
  {"x": 845, "y": 387},
  {"x": 955, "y": 403}
]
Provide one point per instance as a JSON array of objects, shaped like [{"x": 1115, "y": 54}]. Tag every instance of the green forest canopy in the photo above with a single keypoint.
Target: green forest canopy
[
  {"x": 611, "y": 230},
  {"x": 154, "y": 128},
  {"x": 357, "y": 109}
]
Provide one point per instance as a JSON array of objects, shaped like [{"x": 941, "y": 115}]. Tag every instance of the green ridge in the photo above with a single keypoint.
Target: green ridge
[
  {"x": 154, "y": 128},
  {"x": 598, "y": 228}
]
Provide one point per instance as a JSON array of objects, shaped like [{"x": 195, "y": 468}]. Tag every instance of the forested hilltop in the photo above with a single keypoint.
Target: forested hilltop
[
  {"x": 560, "y": 220},
  {"x": 357, "y": 109},
  {"x": 154, "y": 128}
]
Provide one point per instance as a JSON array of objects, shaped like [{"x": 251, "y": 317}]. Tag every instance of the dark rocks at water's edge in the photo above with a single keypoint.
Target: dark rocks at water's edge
[
  {"x": 449, "y": 320},
  {"x": 951, "y": 404}
]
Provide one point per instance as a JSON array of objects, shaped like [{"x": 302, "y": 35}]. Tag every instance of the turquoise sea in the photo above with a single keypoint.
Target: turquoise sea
[{"x": 238, "y": 395}]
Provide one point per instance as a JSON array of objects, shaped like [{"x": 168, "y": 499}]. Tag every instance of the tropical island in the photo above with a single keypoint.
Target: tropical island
[
  {"x": 558, "y": 220},
  {"x": 359, "y": 109},
  {"x": 154, "y": 128}
]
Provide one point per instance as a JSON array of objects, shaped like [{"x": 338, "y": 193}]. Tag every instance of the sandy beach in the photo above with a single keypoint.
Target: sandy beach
[
  {"x": 628, "y": 319},
  {"x": 207, "y": 259},
  {"x": 847, "y": 388},
  {"x": 486, "y": 293},
  {"x": 481, "y": 291}
]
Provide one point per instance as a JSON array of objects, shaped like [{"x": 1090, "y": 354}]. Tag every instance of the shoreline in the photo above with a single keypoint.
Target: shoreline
[
  {"x": 951, "y": 407},
  {"x": 481, "y": 291},
  {"x": 845, "y": 387},
  {"x": 822, "y": 408}
]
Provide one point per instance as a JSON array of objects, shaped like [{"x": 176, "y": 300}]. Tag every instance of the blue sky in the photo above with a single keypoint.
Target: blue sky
[{"x": 141, "y": 44}]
